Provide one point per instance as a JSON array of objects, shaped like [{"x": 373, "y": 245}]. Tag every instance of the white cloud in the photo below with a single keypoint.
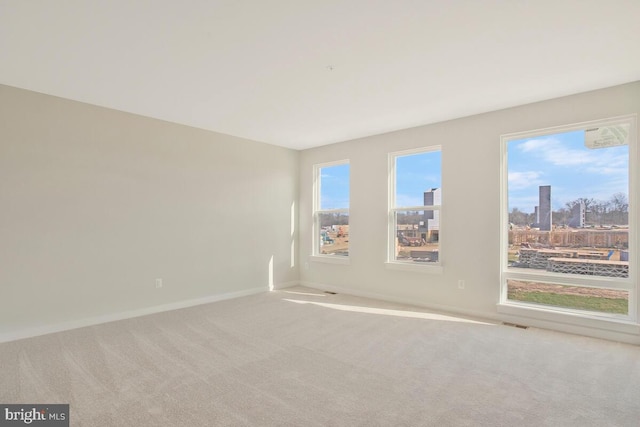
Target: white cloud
[
  {"x": 522, "y": 180},
  {"x": 408, "y": 200},
  {"x": 525, "y": 203},
  {"x": 553, "y": 151}
]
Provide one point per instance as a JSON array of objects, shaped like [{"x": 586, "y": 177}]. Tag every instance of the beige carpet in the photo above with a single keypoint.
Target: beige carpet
[{"x": 300, "y": 357}]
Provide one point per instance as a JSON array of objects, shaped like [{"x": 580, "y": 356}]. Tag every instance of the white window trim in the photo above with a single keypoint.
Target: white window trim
[
  {"x": 571, "y": 316},
  {"x": 315, "y": 250},
  {"x": 391, "y": 262},
  {"x": 330, "y": 259}
]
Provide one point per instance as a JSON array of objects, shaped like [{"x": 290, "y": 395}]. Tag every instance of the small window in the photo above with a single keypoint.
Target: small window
[
  {"x": 331, "y": 211},
  {"x": 415, "y": 192}
]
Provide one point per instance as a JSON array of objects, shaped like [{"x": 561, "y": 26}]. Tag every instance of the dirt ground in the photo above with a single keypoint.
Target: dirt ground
[{"x": 339, "y": 245}]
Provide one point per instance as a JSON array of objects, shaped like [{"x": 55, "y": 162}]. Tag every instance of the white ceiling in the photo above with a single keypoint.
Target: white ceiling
[{"x": 302, "y": 73}]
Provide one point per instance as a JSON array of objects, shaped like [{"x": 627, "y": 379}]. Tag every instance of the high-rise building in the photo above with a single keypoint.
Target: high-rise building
[
  {"x": 578, "y": 215},
  {"x": 544, "y": 208}
]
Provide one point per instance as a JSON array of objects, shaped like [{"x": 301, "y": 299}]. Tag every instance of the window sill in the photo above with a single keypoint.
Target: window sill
[
  {"x": 331, "y": 259},
  {"x": 417, "y": 267},
  {"x": 573, "y": 318}
]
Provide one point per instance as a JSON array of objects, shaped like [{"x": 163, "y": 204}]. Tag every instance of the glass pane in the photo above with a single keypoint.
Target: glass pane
[
  {"x": 334, "y": 187},
  {"x": 568, "y": 202},
  {"x": 418, "y": 179},
  {"x": 575, "y": 297},
  {"x": 417, "y": 235},
  {"x": 334, "y": 233}
]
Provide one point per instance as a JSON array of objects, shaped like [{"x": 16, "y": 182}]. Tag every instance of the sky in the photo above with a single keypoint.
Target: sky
[
  {"x": 560, "y": 160},
  {"x": 334, "y": 187},
  {"x": 571, "y": 169},
  {"x": 415, "y": 174}
]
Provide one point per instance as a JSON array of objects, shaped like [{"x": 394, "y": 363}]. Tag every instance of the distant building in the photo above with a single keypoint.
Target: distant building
[
  {"x": 544, "y": 208},
  {"x": 578, "y": 215},
  {"x": 431, "y": 225}
]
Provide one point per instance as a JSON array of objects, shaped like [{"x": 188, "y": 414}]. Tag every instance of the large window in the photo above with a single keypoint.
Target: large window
[
  {"x": 415, "y": 193},
  {"x": 568, "y": 224},
  {"x": 331, "y": 209}
]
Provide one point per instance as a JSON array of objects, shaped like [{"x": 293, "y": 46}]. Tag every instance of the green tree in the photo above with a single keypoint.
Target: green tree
[{"x": 517, "y": 217}]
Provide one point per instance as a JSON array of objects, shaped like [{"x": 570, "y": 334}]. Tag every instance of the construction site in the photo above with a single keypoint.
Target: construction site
[
  {"x": 572, "y": 249},
  {"x": 599, "y": 252},
  {"x": 334, "y": 240}
]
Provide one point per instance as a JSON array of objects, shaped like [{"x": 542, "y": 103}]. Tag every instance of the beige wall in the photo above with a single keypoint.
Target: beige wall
[
  {"x": 96, "y": 204},
  {"x": 470, "y": 218}
]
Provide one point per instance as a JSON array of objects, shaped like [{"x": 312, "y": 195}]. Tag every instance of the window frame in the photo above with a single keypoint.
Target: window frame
[
  {"x": 392, "y": 262},
  {"x": 315, "y": 241},
  {"x": 629, "y": 284}
]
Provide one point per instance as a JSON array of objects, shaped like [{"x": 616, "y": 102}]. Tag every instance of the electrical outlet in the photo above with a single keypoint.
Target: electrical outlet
[
  {"x": 158, "y": 283},
  {"x": 460, "y": 284}
]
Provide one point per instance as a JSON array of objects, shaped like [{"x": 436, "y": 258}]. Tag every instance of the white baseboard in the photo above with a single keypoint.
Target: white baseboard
[
  {"x": 444, "y": 309},
  {"x": 81, "y": 323},
  {"x": 285, "y": 285},
  {"x": 539, "y": 317}
]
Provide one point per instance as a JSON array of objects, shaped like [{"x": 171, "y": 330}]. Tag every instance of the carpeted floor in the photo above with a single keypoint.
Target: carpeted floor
[{"x": 301, "y": 357}]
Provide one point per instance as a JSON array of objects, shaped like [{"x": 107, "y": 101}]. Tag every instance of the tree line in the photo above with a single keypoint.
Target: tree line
[
  {"x": 331, "y": 219},
  {"x": 614, "y": 211}
]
